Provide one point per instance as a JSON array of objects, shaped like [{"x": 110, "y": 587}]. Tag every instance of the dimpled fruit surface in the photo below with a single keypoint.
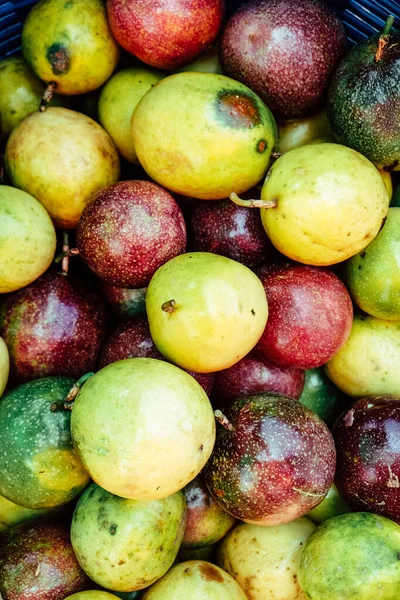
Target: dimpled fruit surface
[{"x": 219, "y": 142}]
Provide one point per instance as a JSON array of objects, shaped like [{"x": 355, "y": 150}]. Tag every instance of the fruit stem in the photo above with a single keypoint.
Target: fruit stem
[
  {"x": 252, "y": 203},
  {"x": 169, "y": 306},
  {"x": 47, "y": 96},
  {"x": 63, "y": 257},
  {"x": 69, "y": 399},
  {"x": 384, "y": 38},
  {"x": 221, "y": 418}
]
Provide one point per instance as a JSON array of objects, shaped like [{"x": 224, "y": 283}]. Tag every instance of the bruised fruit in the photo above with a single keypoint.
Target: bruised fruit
[
  {"x": 37, "y": 561},
  {"x": 126, "y": 545},
  {"x": 223, "y": 308},
  {"x": 196, "y": 579},
  {"x": 151, "y": 443},
  {"x": 219, "y": 143},
  {"x": 368, "y": 455},
  {"x": 118, "y": 100},
  {"x": 129, "y": 230},
  {"x": 284, "y": 50},
  {"x": 27, "y": 239},
  {"x": 330, "y": 203},
  {"x": 265, "y": 560},
  {"x": 310, "y": 315},
  {"x": 273, "y": 460},
  {"x": 206, "y": 521},
  {"x": 368, "y": 364},
  {"x": 38, "y": 469},
  {"x": 69, "y": 43},
  {"x": 54, "y": 326},
  {"x": 62, "y": 158},
  {"x": 168, "y": 33}
]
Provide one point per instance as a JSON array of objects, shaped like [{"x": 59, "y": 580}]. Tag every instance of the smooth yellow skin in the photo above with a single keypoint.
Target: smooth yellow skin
[
  {"x": 78, "y": 28},
  {"x": 62, "y": 158},
  {"x": 331, "y": 202},
  {"x": 368, "y": 364},
  {"x": 143, "y": 428},
  {"x": 186, "y": 144},
  {"x": 27, "y": 239},
  {"x": 4, "y": 366},
  {"x": 12, "y": 514},
  {"x": 118, "y": 99},
  {"x": 297, "y": 132},
  {"x": 92, "y": 595},
  {"x": 265, "y": 560},
  {"x": 197, "y": 580},
  {"x": 387, "y": 180},
  {"x": 220, "y": 311}
]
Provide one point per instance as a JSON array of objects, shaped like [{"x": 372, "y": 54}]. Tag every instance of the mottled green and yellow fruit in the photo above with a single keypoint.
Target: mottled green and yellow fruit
[
  {"x": 62, "y": 158},
  {"x": 351, "y": 556},
  {"x": 69, "y": 43},
  {"x": 20, "y": 94},
  {"x": 368, "y": 363},
  {"x": 265, "y": 560},
  {"x": 27, "y": 239},
  {"x": 205, "y": 311},
  {"x": 197, "y": 580},
  {"x": 373, "y": 275},
  {"x": 4, "y": 366},
  {"x": 217, "y": 139},
  {"x": 330, "y": 203},
  {"x": 118, "y": 99}
]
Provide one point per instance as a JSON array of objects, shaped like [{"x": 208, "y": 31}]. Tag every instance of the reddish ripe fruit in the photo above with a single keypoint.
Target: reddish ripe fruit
[
  {"x": 230, "y": 230},
  {"x": 165, "y": 33},
  {"x": 310, "y": 315},
  {"x": 273, "y": 460},
  {"x": 54, "y": 326},
  {"x": 251, "y": 375},
  {"x": 37, "y": 562},
  {"x": 286, "y": 51},
  {"x": 131, "y": 229},
  {"x": 368, "y": 453},
  {"x": 132, "y": 339}
]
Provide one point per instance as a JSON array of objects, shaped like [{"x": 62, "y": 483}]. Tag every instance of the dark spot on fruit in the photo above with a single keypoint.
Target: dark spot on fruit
[
  {"x": 113, "y": 529},
  {"x": 382, "y": 224},
  {"x": 58, "y": 58},
  {"x": 187, "y": 570},
  {"x": 220, "y": 493},
  {"x": 161, "y": 548},
  {"x": 261, "y": 147},
  {"x": 121, "y": 562},
  {"x": 363, "y": 254},
  {"x": 210, "y": 573},
  {"x": 398, "y": 556},
  {"x": 236, "y": 109},
  {"x": 158, "y": 487},
  {"x": 201, "y": 447},
  {"x": 253, "y": 312}
]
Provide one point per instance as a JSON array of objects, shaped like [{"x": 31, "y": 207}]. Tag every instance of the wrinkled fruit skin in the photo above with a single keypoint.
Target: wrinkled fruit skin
[
  {"x": 230, "y": 230},
  {"x": 37, "y": 562},
  {"x": 251, "y": 375},
  {"x": 131, "y": 229},
  {"x": 368, "y": 466},
  {"x": 132, "y": 339},
  {"x": 55, "y": 326},
  {"x": 310, "y": 315},
  {"x": 267, "y": 45},
  {"x": 165, "y": 34},
  {"x": 206, "y": 521},
  {"x": 276, "y": 464}
]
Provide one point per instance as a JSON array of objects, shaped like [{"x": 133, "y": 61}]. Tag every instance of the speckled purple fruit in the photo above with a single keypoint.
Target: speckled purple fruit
[
  {"x": 310, "y": 315},
  {"x": 132, "y": 339},
  {"x": 230, "y": 230},
  {"x": 37, "y": 562},
  {"x": 367, "y": 440},
  {"x": 276, "y": 463},
  {"x": 251, "y": 375},
  {"x": 286, "y": 51},
  {"x": 165, "y": 33},
  {"x": 54, "y": 326},
  {"x": 131, "y": 229}
]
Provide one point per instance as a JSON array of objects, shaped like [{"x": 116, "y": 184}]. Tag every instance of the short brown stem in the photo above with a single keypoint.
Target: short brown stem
[
  {"x": 221, "y": 418},
  {"x": 384, "y": 38},
  {"x": 276, "y": 154},
  {"x": 58, "y": 406},
  {"x": 68, "y": 402},
  {"x": 252, "y": 203},
  {"x": 169, "y": 306},
  {"x": 47, "y": 96}
]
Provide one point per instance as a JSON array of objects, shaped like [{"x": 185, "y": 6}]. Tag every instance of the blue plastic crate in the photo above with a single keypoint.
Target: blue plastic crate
[{"x": 361, "y": 18}]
